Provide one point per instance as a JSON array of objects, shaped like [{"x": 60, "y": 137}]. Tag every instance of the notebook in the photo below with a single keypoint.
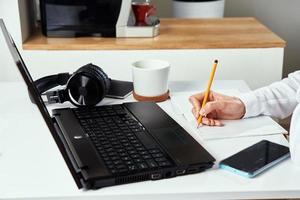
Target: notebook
[{"x": 262, "y": 125}]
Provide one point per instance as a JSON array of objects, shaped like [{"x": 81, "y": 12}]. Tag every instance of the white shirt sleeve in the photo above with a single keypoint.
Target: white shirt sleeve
[{"x": 276, "y": 100}]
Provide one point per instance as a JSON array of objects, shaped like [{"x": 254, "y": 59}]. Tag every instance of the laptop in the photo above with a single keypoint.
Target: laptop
[{"x": 117, "y": 144}]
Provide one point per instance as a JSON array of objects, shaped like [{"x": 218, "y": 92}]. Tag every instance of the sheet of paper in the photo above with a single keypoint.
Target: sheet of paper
[
  {"x": 181, "y": 104},
  {"x": 240, "y": 128},
  {"x": 261, "y": 125}
]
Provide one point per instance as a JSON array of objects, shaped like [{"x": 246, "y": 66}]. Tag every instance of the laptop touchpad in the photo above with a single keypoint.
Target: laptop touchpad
[{"x": 180, "y": 145}]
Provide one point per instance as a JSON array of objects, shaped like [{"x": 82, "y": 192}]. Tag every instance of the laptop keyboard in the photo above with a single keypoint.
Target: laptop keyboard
[{"x": 117, "y": 137}]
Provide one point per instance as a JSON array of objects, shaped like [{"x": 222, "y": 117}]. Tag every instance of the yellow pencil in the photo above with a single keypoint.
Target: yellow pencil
[{"x": 212, "y": 74}]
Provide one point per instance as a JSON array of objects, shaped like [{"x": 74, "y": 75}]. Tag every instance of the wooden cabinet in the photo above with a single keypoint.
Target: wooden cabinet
[
  {"x": 174, "y": 34},
  {"x": 246, "y": 49}
]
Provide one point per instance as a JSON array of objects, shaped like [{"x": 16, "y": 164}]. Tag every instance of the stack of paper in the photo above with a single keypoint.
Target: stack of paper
[{"x": 261, "y": 125}]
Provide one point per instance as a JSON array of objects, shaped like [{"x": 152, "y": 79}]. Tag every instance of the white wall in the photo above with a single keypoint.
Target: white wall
[
  {"x": 9, "y": 13},
  {"x": 281, "y": 16},
  {"x": 164, "y": 8}
]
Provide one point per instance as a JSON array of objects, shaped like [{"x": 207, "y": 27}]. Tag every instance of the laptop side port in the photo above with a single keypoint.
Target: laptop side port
[
  {"x": 192, "y": 170},
  {"x": 155, "y": 176},
  {"x": 180, "y": 171}
]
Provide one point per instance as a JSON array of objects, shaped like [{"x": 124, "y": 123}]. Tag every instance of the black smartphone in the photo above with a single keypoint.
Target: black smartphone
[{"x": 255, "y": 159}]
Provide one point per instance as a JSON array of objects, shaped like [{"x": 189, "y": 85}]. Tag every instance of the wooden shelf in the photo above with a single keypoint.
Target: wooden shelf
[{"x": 174, "y": 34}]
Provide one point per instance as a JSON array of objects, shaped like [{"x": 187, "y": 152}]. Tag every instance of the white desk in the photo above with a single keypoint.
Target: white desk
[{"x": 31, "y": 166}]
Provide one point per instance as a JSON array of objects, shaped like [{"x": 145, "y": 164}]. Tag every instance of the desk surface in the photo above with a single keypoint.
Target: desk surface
[
  {"x": 174, "y": 34},
  {"x": 31, "y": 165}
]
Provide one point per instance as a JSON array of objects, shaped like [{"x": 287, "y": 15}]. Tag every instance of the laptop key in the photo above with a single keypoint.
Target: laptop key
[
  {"x": 135, "y": 156},
  {"x": 119, "y": 150},
  {"x": 115, "y": 143},
  {"x": 112, "y": 153},
  {"x": 119, "y": 146},
  {"x": 126, "y": 144},
  {"x": 138, "y": 160},
  {"x": 143, "y": 152},
  {"x": 110, "y": 166},
  {"x": 132, "y": 152},
  {"x": 152, "y": 151},
  {"x": 126, "y": 158},
  {"x": 109, "y": 150},
  {"x": 137, "y": 145},
  {"x": 115, "y": 158},
  {"x": 104, "y": 155},
  {"x": 164, "y": 164},
  {"x": 118, "y": 162},
  {"x": 106, "y": 158},
  {"x": 101, "y": 151},
  {"x": 132, "y": 167},
  {"x": 142, "y": 165},
  {"x": 104, "y": 143},
  {"x": 123, "y": 154},
  {"x": 107, "y": 146},
  {"x": 129, "y": 148},
  {"x": 140, "y": 148},
  {"x": 157, "y": 155},
  {"x": 160, "y": 159},
  {"x": 120, "y": 166},
  {"x": 109, "y": 162},
  {"x": 129, "y": 162},
  {"x": 146, "y": 157},
  {"x": 151, "y": 163},
  {"x": 134, "y": 141},
  {"x": 123, "y": 170}
]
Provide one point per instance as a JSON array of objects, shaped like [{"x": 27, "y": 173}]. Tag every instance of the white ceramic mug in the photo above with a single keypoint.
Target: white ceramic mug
[{"x": 150, "y": 77}]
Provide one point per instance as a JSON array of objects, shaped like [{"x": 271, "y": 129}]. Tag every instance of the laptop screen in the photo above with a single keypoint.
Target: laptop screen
[
  {"x": 36, "y": 96},
  {"x": 26, "y": 75}
]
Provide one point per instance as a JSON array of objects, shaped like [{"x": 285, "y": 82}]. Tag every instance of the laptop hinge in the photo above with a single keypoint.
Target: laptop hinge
[{"x": 70, "y": 161}]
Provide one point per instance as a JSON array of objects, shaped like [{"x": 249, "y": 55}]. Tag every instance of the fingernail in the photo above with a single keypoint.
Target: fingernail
[
  {"x": 218, "y": 123},
  {"x": 202, "y": 112},
  {"x": 196, "y": 115}
]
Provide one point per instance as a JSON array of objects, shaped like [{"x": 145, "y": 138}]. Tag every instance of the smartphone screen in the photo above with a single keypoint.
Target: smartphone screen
[{"x": 256, "y": 158}]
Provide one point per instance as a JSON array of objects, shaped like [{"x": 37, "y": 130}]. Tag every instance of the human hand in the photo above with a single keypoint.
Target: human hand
[{"x": 218, "y": 107}]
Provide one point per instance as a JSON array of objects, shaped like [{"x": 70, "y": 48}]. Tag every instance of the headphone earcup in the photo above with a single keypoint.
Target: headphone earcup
[
  {"x": 88, "y": 85},
  {"x": 101, "y": 75}
]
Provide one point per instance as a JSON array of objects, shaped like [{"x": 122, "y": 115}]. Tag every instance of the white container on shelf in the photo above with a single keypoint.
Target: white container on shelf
[{"x": 198, "y": 8}]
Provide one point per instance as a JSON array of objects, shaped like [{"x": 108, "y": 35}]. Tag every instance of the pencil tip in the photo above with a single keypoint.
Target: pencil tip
[
  {"x": 216, "y": 61},
  {"x": 199, "y": 125}
]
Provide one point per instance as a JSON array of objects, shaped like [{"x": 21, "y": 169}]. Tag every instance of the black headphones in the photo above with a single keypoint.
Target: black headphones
[{"x": 85, "y": 87}]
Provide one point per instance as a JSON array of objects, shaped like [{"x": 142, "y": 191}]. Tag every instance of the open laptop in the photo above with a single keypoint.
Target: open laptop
[{"x": 117, "y": 144}]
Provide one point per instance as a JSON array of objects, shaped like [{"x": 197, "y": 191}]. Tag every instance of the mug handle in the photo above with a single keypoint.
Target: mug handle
[{"x": 151, "y": 11}]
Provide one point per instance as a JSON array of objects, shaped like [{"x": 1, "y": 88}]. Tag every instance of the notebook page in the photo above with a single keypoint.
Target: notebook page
[{"x": 261, "y": 125}]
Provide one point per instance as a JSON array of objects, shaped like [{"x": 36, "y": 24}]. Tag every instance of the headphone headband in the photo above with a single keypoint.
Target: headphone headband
[{"x": 48, "y": 82}]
